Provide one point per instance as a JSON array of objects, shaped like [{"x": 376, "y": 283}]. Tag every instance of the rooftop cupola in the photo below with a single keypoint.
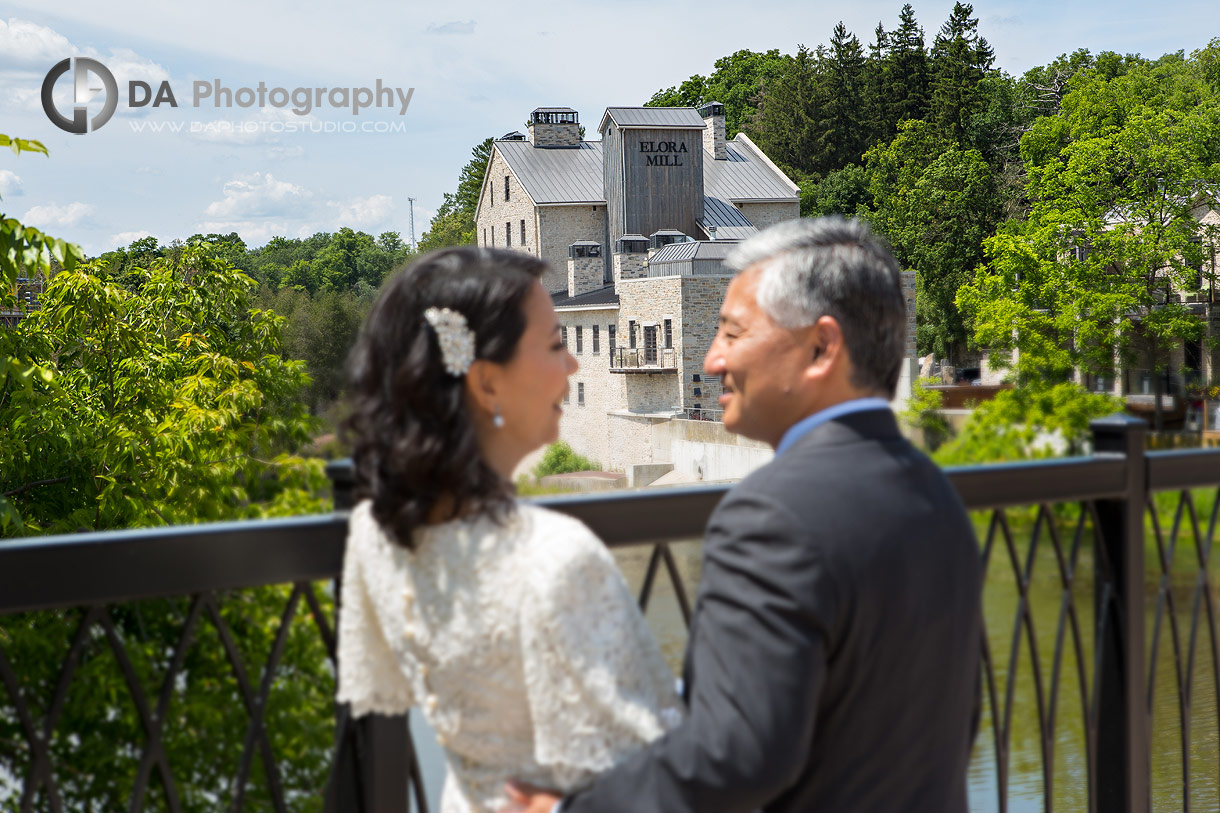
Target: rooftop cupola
[
  {"x": 713, "y": 134},
  {"x": 554, "y": 127}
]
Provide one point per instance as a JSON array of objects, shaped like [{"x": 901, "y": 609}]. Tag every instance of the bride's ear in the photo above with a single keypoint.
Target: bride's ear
[{"x": 483, "y": 384}]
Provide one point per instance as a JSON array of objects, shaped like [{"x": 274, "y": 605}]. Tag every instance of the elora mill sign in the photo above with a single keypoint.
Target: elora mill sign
[{"x": 663, "y": 153}]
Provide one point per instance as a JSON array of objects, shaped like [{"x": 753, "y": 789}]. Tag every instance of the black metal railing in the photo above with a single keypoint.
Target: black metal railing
[
  {"x": 703, "y": 414},
  {"x": 643, "y": 359},
  {"x": 1071, "y": 683}
]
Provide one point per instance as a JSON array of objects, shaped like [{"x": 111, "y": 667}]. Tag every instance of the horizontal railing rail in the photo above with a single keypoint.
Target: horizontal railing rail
[
  {"x": 643, "y": 359},
  {"x": 1113, "y": 488}
]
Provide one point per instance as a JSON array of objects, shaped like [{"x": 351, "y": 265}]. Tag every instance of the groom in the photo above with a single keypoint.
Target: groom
[{"x": 833, "y": 660}]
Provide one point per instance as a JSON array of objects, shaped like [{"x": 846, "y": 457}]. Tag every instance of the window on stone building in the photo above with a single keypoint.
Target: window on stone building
[
  {"x": 508, "y": 233},
  {"x": 610, "y": 338},
  {"x": 563, "y": 336},
  {"x": 580, "y": 394},
  {"x": 595, "y": 339},
  {"x": 523, "y": 232},
  {"x": 669, "y": 332},
  {"x": 580, "y": 339},
  {"x": 485, "y": 237},
  {"x": 493, "y": 235},
  {"x": 631, "y": 334},
  {"x": 506, "y": 177}
]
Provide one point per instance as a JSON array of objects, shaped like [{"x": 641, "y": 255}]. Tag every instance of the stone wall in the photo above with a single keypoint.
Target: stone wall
[
  {"x": 584, "y": 427},
  {"x": 560, "y": 227},
  {"x": 652, "y": 393},
  {"x": 713, "y": 137},
  {"x": 701, "y": 301},
  {"x": 494, "y": 212},
  {"x": 908, "y": 293},
  {"x": 763, "y": 215},
  {"x": 629, "y": 266},
  {"x": 630, "y": 440},
  {"x": 585, "y": 274},
  {"x": 554, "y": 135}
]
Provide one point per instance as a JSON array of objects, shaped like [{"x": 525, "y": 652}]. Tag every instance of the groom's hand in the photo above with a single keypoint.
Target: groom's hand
[{"x": 525, "y": 798}]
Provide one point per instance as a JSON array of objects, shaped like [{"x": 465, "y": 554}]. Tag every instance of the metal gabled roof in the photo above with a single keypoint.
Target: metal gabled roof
[
  {"x": 695, "y": 250},
  {"x": 746, "y": 174},
  {"x": 571, "y": 175},
  {"x": 684, "y": 118},
  {"x": 730, "y": 223}
]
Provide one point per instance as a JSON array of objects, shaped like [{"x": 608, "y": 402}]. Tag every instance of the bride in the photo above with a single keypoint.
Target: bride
[{"x": 506, "y": 624}]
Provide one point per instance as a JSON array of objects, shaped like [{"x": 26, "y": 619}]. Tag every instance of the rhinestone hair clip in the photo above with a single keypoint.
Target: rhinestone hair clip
[{"x": 455, "y": 337}]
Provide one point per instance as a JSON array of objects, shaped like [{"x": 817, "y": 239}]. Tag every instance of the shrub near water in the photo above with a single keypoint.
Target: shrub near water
[{"x": 560, "y": 459}]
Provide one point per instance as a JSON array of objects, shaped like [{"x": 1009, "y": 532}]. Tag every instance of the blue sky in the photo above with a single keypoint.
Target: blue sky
[{"x": 477, "y": 69}]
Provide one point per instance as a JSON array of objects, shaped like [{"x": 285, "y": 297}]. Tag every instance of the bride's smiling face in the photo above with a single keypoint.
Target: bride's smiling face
[{"x": 531, "y": 386}]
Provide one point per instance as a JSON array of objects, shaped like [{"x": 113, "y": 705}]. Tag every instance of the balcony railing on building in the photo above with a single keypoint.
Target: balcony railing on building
[
  {"x": 647, "y": 359},
  {"x": 1101, "y": 636}
]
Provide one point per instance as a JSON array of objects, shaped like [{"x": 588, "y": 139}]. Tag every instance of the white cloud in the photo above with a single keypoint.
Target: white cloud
[
  {"x": 258, "y": 195},
  {"x": 31, "y": 46},
  {"x": 363, "y": 213},
  {"x": 52, "y": 215},
  {"x": 453, "y": 27},
  {"x": 30, "y": 50},
  {"x": 10, "y": 184},
  {"x": 280, "y": 153},
  {"x": 126, "y": 238}
]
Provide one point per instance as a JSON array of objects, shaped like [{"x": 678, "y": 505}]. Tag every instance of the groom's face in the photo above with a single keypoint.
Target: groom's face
[{"x": 760, "y": 364}]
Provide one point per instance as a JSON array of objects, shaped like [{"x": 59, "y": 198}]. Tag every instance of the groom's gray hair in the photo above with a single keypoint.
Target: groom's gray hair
[{"x": 838, "y": 268}]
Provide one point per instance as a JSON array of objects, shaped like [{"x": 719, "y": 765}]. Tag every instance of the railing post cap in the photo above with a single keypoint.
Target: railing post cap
[
  {"x": 341, "y": 470},
  {"x": 1118, "y": 422}
]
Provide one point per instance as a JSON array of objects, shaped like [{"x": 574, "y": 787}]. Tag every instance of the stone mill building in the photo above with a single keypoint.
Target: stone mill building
[{"x": 635, "y": 227}]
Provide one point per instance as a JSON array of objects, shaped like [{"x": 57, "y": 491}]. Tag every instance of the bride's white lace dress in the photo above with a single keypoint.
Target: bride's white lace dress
[{"x": 519, "y": 642}]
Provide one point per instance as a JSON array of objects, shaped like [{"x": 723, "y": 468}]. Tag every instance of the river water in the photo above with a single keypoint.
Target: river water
[{"x": 1026, "y": 762}]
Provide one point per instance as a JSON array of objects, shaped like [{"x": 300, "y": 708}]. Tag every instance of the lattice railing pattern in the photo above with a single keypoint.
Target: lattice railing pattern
[
  {"x": 209, "y": 702},
  {"x": 1184, "y": 659}
]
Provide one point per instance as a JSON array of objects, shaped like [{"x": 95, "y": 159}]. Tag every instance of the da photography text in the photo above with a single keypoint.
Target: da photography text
[{"x": 90, "y": 77}]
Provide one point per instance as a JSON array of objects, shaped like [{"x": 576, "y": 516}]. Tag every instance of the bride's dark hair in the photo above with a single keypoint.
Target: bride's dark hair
[{"x": 413, "y": 441}]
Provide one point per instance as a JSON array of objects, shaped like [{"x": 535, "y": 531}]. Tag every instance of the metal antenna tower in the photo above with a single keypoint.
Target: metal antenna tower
[{"x": 411, "y": 204}]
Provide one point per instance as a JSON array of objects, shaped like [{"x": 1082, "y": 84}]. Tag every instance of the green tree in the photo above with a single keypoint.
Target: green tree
[
  {"x": 841, "y": 116},
  {"x": 737, "y": 81},
  {"x": 453, "y": 224},
  {"x": 905, "y": 68},
  {"x": 960, "y": 59},
  {"x": 167, "y": 403},
  {"x": 936, "y": 203},
  {"x": 1118, "y": 181},
  {"x": 164, "y": 405},
  {"x": 844, "y": 192},
  {"x": 787, "y": 122}
]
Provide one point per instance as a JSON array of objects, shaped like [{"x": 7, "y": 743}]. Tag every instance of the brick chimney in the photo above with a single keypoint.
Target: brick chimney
[
  {"x": 586, "y": 267},
  {"x": 630, "y": 258},
  {"x": 713, "y": 132},
  {"x": 554, "y": 127}
]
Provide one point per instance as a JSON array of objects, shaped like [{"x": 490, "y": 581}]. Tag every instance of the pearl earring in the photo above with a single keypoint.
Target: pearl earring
[{"x": 497, "y": 420}]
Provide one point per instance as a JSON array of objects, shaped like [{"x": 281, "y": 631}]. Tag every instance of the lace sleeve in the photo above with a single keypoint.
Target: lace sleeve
[
  {"x": 597, "y": 684},
  {"x": 370, "y": 677}
]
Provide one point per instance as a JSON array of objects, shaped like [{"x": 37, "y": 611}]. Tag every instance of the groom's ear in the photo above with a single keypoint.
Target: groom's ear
[{"x": 824, "y": 341}]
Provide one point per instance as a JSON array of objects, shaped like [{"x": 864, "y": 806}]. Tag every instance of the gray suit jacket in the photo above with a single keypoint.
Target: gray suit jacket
[{"x": 833, "y": 662}]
